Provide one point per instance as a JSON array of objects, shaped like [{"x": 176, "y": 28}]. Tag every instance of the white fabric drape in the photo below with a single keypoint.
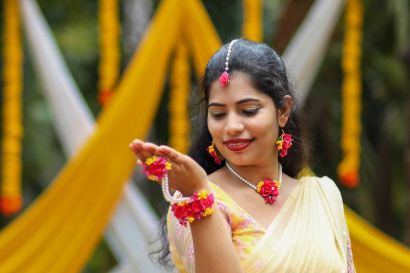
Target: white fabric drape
[
  {"x": 307, "y": 49},
  {"x": 134, "y": 222}
]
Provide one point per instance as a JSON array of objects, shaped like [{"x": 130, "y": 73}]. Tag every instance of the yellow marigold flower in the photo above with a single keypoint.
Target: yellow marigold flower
[
  {"x": 208, "y": 212},
  {"x": 279, "y": 143},
  {"x": 151, "y": 160},
  {"x": 152, "y": 177},
  {"x": 259, "y": 186},
  {"x": 202, "y": 194}
]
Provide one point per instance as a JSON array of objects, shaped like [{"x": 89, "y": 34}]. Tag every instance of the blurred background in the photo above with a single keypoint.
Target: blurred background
[{"x": 383, "y": 195}]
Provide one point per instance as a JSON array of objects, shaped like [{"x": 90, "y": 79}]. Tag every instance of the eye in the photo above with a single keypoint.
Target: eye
[
  {"x": 217, "y": 115},
  {"x": 250, "y": 112}
]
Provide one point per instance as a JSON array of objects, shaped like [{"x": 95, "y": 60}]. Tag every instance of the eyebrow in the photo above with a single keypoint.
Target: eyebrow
[{"x": 239, "y": 102}]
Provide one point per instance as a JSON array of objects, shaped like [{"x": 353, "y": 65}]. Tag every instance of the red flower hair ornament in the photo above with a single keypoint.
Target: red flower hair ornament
[{"x": 224, "y": 78}]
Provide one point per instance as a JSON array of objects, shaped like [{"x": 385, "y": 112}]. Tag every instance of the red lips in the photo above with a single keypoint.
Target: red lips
[{"x": 237, "y": 144}]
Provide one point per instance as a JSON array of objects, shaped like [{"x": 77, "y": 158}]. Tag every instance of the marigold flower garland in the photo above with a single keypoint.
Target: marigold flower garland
[
  {"x": 348, "y": 169},
  {"x": 252, "y": 25},
  {"x": 11, "y": 199},
  {"x": 109, "y": 49},
  {"x": 179, "y": 100}
]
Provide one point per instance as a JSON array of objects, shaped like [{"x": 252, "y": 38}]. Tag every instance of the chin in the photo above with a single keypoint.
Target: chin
[{"x": 241, "y": 160}]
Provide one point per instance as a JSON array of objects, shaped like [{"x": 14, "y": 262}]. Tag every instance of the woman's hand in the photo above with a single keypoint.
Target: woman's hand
[{"x": 186, "y": 175}]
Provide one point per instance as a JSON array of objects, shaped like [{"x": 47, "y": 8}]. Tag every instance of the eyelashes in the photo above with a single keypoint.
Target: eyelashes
[
  {"x": 245, "y": 112},
  {"x": 217, "y": 115},
  {"x": 250, "y": 112}
]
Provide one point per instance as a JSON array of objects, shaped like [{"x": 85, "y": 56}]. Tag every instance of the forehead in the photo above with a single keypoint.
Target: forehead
[{"x": 239, "y": 87}]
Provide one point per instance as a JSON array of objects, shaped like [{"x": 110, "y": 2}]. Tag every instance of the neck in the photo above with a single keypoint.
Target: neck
[{"x": 255, "y": 173}]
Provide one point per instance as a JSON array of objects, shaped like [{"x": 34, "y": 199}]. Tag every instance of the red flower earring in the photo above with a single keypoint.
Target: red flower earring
[
  {"x": 284, "y": 142},
  {"x": 214, "y": 154}
]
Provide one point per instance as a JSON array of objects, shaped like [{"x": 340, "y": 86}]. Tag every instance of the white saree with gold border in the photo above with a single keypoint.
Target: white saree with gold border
[{"x": 309, "y": 233}]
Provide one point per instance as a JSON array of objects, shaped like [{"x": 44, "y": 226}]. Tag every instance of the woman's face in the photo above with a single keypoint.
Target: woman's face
[{"x": 243, "y": 121}]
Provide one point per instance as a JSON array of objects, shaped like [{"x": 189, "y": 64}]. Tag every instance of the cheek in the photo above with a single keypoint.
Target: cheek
[
  {"x": 263, "y": 128},
  {"x": 214, "y": 128}
]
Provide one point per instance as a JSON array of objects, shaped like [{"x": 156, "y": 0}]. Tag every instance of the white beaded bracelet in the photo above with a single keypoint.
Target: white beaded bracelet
[{"x": 167, "y": 194}]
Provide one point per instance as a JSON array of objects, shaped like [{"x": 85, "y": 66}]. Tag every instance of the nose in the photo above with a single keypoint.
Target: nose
[{"x": 234, "y": 125}]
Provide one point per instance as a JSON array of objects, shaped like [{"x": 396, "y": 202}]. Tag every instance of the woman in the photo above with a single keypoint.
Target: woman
[{"x": 260, "y": 216}]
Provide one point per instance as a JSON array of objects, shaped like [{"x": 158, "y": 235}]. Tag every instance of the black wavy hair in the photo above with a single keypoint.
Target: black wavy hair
[{"x": 267, "y": 73}]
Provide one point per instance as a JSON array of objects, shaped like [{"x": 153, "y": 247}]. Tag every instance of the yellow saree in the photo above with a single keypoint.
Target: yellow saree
[{"x": 309, "y": 234}]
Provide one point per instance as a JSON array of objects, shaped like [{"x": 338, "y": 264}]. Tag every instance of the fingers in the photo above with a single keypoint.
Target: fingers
[
  {"x": 137, "y": 147},
  {"x": 172, "y": 154},
  {"x": 143, "y": 150}
]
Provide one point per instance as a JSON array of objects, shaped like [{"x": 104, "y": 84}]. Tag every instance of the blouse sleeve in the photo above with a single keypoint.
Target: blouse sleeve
[{"x": 180, "y": 245}]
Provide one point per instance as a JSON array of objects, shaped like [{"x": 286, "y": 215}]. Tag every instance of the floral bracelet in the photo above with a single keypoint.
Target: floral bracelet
[
  {"x": 197, "y": 207},
  {"x": 185, "y": 209}
]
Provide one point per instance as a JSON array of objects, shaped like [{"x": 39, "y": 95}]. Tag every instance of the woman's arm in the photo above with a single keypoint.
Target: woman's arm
[
  {"x": 213, "y": 247},
  {"x": 214, "y": 250}
]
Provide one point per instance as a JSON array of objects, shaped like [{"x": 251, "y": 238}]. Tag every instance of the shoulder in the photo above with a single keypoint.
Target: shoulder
[
  {"x": 323, "y": 182},
  {"x": 217, "y": 176},
  {"x": 327, "y": 187}
]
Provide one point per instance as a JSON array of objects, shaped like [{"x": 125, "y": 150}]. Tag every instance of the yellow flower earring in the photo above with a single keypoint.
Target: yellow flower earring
[{"x": 214, "y": 154}]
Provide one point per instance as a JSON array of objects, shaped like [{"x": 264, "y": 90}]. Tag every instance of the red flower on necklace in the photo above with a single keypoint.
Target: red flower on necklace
[{"x": 269, "y": 190}]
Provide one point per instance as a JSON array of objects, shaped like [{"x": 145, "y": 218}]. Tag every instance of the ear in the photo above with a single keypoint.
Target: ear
[{"x": 284, "y": 111}]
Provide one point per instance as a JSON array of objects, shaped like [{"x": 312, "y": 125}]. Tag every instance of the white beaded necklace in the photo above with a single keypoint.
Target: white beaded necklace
[{"x": 254, "y": 187}]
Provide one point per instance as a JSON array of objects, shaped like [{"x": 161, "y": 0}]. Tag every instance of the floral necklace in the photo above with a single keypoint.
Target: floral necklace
[{"x": 268, "y": 189}]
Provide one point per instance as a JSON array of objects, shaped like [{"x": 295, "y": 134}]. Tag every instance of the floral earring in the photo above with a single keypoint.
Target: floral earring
[
  {"x": 284, "y": 142},
  {"x": 214, "y": 154}
]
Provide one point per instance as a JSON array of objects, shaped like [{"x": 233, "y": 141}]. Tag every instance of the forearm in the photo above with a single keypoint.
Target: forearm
[{"x": 214, "y": 250}]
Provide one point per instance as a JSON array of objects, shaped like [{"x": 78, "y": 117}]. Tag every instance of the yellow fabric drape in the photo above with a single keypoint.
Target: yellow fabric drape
[
  {"x": 10, "y": 198},
  {"x": 252, "y": 28},
  {"x": 374, "y": 251},
  {"x": 59, "y": 231},
  {"x": 201, "y": 35},
  {"x": 179, "y": 100},
  {"x": 348, "y": 169},
  {"x": 109, "y": 49}
]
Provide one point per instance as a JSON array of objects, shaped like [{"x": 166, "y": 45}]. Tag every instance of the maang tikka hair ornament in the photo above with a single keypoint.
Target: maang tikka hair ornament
[
  {"x": 284, "y": 142},
  {"x": 224, "y": 78}
]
